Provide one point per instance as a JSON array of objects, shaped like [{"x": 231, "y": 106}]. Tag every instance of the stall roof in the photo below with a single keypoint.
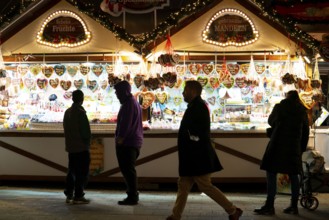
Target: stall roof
[
  {"x": 102, "y": 40},
  {"x": 310, "y": 16}
]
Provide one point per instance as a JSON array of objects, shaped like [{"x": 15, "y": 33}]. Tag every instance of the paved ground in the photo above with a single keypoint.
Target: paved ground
[{"x": 39, "y": 203}]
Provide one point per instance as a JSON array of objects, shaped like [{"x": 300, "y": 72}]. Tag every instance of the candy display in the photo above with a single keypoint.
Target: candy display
[{"x": 236, "y": 92}]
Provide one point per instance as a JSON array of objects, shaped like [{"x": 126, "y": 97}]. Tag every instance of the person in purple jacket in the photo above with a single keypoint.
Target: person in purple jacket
[{"x": 128, "y": 139}]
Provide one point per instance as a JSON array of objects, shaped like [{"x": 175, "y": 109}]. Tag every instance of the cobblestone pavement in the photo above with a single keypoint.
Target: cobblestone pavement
[{"x": 18, "y": 203}]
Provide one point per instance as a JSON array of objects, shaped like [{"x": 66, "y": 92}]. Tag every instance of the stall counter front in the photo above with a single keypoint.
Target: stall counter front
[{"x": 40, "y": 155}]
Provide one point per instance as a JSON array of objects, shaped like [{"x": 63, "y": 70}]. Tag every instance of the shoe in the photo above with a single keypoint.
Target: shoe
[
  {"x": 128, "y": 201},
  {"x": 237, "y": 214},
  {"x": 265, "y": 210},
  {"x": 81, "y": 200},
  {"x": 69, "y": 199},
  {"x": 291, "y": 210}
]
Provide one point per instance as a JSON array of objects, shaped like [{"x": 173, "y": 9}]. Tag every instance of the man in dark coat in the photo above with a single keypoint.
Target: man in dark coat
[
  {"x": 197, "y": 157},
  {"x": 128, "y": 139},
  {"x": 283, "y": 154},
  {"x": 77, "y": 144}
]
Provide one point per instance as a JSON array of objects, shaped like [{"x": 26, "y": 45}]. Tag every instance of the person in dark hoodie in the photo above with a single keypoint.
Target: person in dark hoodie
[
  {"x": 197, "y": 157},
  {"x": 288, "y": 140},
  {"x": 128, "y": 139},
  {"x": 77, "y": 144}
]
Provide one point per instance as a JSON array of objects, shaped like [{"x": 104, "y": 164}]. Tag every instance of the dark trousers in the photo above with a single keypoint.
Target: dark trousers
[
  {"x": 272, "y": 183},
  {"x": 127, "y": 157},
  {"x": 77, "y": 175}
]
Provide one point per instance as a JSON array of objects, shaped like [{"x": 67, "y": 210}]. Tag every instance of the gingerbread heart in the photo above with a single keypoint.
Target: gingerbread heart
[
  {"x": 35, "y": 69},
  {"x": 138, "y": 80},
  {"x": 220, "y": 68},
  {"x": 178, "y": 83},
  {"x": 66, "y": 85},
  {"x": 54, "y": 83},
  {"x": 207, "y": 68},
  {"x": 78, "y": 83},
  {"x": 109, "y": 68},
  {"x": 59, "y": 69},
  {"x": 180, "y": 69},
  {"x": 67, "y": 95},
  {"x": 240, "y": 82},
  {"x": 233, "y": 68},
  {"x": 22, "y": 69},
  {"x": 203, "y": 81},
  {"x": 147, "y": 99},
  {"x": 84, "y": 70},
  {"x": 214, "y": 82},
  {"x": 161, "y": 97},
  {"x": 260, "y": 68},
  {"x": 47, "y": 71},
  {"x": 92, "y": 85},
  {"x": 307, "y": 99},
  {"x": 228, "y": 82},
  {"x": 212, "y": 100},
  {"x": 245, "y": 90},
  {"x": 42, "y": 83},
  {"x": 104, "y": 84},
  {"x": 72, "y": 70},
  {"x": 97, "y": 69},
  {"x": 244, "y": 68},
  {"x": 178, "y": 100},
  {"x": 29, "y": 83},
  {"x": 194, "y": 68}
]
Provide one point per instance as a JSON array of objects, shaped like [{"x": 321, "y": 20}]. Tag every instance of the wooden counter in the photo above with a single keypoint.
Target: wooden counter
[{"x": 40, "y": 155}]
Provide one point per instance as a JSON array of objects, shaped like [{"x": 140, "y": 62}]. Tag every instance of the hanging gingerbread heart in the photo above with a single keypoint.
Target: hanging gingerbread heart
[
  {"x": 47, "y": 71},
  {"x": 78, "y": 83},
  {"x": 228, "y": 82},
  {"x": 233, "y": 68},
  {"x": 194, "y": 68},
  {"x": 84, "y": 70},
  {"x": 214, "y": 82},
  {"x": 178, "y": 100},
  {"x": 59, "y": 69},
  {"x": 42, "y": 83},
  {"x": 72, "y": 70},
  {"x": 207, "y": 68},
  {"x": 212, "y": 100},
  {"x": 138, "y": 80},
  {"x": 180, "y": 69},
  {"x": 219, "y": 69},
  {"x": 92, "y": 85},
  {"x": 35, "y": 69},
  {"x": 67, "y": 95},
  {"x": 178, "y": 83},
  {"x": 244, "y": 68},
  {"x": 66, "y": 85},
  {"x": 97, "y": 69},
  {"x": 29, "y": 83},
  {"x": 240, "y": 82},
  {"x": 109, "y": 68},
  {"x": 260, "y": 68},
  {"x": 54, "y": 83},
  {"x": 103, "y": 84},
  {"x": 161, "y": 97},
  {"x": 203, "y": 81},
  {"x": 22, "y": 69},
  {"x": 147, "y": 99}
]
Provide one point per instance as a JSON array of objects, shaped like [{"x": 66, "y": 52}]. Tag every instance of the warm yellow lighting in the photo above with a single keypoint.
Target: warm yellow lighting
[
  {"x": 229, "y": 43},
  {"x": 63, "y": 44}
]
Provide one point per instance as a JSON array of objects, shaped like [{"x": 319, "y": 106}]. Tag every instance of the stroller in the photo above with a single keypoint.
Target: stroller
[{"x": 313, "y": 172}]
